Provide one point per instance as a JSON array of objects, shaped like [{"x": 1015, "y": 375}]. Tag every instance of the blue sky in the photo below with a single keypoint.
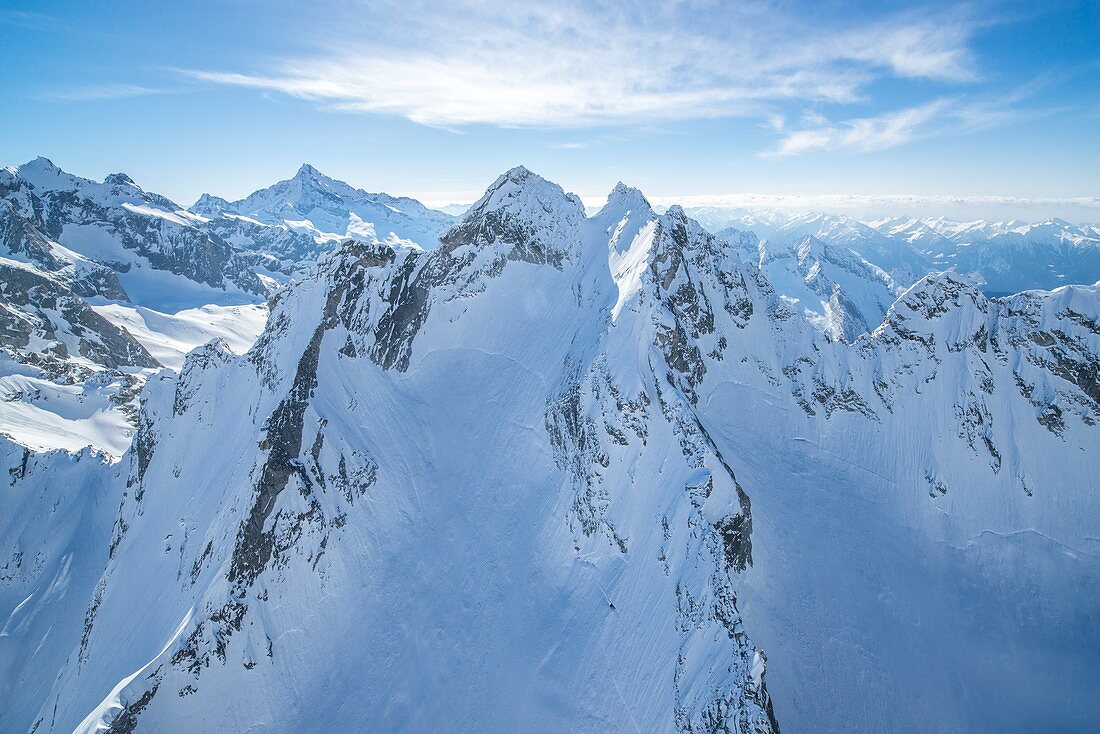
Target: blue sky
[{"x": 687, "y": 99}]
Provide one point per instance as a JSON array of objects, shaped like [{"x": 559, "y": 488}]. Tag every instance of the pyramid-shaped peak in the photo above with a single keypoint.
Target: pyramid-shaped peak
[
  {"x": 521, "y": 190},
  {"x": 519, "y": 173},
  {"x": 38, "y": 167},
  {"x": 41, "y": 163},
  {"x": 621, "y": 193},
  {"x": 209, "y": 205},
  {"x": 307, "y": 171}
]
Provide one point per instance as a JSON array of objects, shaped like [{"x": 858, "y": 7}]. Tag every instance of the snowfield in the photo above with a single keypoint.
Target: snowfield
[{"x": 169, "y": 337}]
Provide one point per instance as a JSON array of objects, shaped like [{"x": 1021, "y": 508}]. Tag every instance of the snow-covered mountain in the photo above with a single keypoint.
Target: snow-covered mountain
[
  {"x": 311, "y": 212},
  {"x": 1002, "y": 257},
  {"x": 1006, "y": 257},
  {"x": 68, "y": 376},
  {"x": 79, "y": 260},
  {"x": 160, "y": 255},
  {"x": 577, "y": 473},
  {"x": 904, "y": 264},
  {"x": 834, "y": 288}
]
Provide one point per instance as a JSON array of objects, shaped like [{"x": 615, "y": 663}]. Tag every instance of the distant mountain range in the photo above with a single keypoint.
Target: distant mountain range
[{"x": 1001, "y": 257}]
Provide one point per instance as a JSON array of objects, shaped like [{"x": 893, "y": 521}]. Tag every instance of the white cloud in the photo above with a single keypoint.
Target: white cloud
[
  {"x": 99, "y": 92},
  {"x": 890, "y": 129},
  {"x": 577, "y": 63},
  {"x": 863, "y": 134}
]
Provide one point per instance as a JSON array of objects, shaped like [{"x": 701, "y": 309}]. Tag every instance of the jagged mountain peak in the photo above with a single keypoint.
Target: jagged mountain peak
[
  {"x": 327, "y": 210},
  {"x": 41, "y": 164},
  {"x": 120, "y": 179},
  {"x": 936, "y": 297},
  {"x": 307, "y": 171},
  {"x": 521, "y": 192},
  {"x": 624, "y": 202},
  {"x": 531, "y": 218},
  {"x": 42, "y": 173},
  {"x": 405, "y": 412},
  {"x": 209, "y": 205},
  {"x": 677, "y": 212},
  {"x": 622, "y": 194}
]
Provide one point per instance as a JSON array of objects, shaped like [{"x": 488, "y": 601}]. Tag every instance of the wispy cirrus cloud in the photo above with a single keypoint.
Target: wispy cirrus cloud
[
  {"x": 99, "y": 92},
  {"x": 864, "y": 134},
  {"x": 577, "y": 63},
  {"x": 28, "y": 19},
  {"x": 944, "y": 115}
]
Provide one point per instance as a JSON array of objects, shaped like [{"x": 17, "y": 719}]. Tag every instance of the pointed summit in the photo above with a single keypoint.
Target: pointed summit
[
  {"x": 525, "y": 212},
  {"x": 521, "y": 191},
  {"x": 306, "y": 171},
  {"x": 209, "y": 205},
  {"x": 623, "y": 197},
  {"x": 37, "y": 170},
  {"x": 119, "y": 179},
  {"x": 42, "y": 173},
  {"x": 41, "y": 164}
]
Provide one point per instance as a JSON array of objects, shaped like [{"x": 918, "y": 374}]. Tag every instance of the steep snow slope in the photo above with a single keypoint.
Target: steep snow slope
[
  {"x": 55, "y": 526},
  {"x": 943, "y": 552},
  {"x": 565, "y": 473},
  {"x": 322, "y": 209}
]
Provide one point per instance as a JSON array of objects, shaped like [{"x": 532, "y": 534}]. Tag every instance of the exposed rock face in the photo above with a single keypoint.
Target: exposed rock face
[
  {"x": 118, "y": 225},
  {"x": 41, "y": 318},
  {"x": 22, "y": 240},
  {"x": 73, "y": 376},
  {"x": 541, "y": 464},
  {"x": 271, "y": 248}
]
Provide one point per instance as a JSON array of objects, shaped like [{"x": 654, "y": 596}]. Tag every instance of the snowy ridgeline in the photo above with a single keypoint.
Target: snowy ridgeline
[{"x": 569, "y": 473}]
